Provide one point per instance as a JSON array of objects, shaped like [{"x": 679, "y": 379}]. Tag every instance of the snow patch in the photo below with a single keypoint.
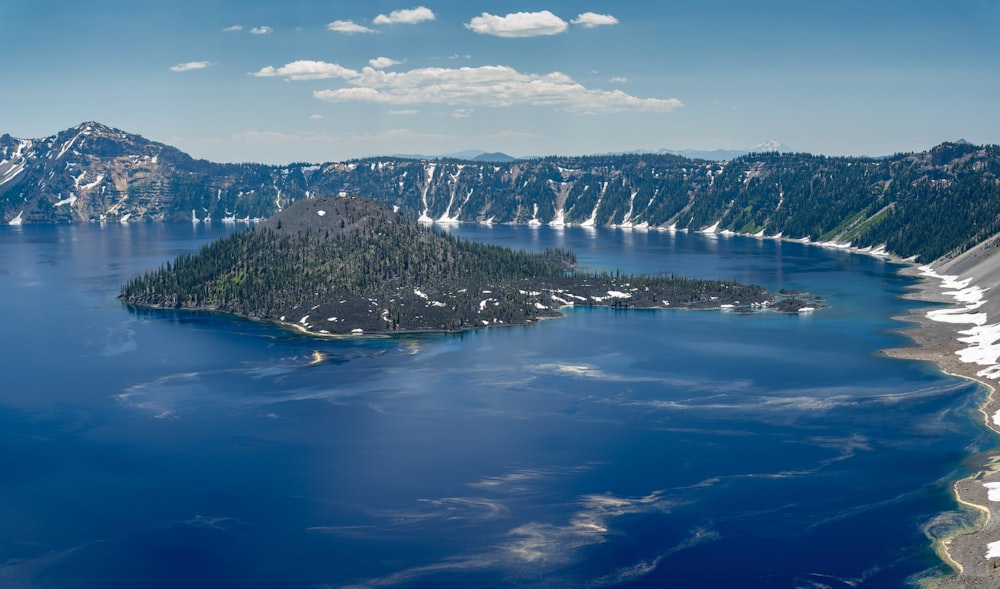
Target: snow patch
[
  {"x": 534, "y": 222},
  {"x": 12, "y": 173},
  {"x": 67, "y": 201},
  {"x": 100, "y": 179},
  {"x": 591, "y": 222},
  {"x": 984, "y": 339},
  {"x": 67, "y": 145},
  {"x": 425, "y": 216},
  {"x": 993, "y": 550}
]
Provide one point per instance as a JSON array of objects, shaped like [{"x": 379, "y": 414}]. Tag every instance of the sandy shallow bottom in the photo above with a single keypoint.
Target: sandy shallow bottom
[{"x": 937, "y": 342}]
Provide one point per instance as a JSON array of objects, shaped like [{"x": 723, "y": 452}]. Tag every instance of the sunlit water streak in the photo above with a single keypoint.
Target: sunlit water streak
[{"x": 607, "y": 448}]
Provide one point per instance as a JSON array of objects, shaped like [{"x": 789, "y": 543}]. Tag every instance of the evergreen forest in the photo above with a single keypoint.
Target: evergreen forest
[{"x": 350, "y": 265}]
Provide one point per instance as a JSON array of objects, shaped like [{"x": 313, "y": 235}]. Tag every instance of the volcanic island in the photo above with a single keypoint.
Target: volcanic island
[{"x": 348, "y": 265}]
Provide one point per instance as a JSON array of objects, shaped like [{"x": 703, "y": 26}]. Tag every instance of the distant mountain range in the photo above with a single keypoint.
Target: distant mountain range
[
  {"x": 716, "y": 155},
  {"x": 928, "y": 204},
  {"x": 472, "y": 155},
  {"x": 719, "y": 155}
]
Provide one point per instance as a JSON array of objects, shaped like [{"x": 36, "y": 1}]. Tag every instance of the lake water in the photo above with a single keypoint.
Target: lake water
[{"x": 603, "y": 449}]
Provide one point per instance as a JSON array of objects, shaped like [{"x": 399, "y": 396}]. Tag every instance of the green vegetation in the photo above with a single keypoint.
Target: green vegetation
[
  {"x": 346, "y": 264},
  {"x": 929, "y": 205}
]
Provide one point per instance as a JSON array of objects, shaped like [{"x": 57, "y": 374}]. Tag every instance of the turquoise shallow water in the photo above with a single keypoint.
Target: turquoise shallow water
[{"x": 606, "y": 448}]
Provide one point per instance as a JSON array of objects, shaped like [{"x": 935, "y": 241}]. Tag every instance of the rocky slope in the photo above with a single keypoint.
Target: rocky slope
[
  {"x": 95, "y": 173},
  {"x": 928, "y": 204}
]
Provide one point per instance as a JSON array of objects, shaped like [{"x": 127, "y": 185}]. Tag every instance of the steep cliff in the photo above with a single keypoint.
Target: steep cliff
[{"x": 930, "y": 204}]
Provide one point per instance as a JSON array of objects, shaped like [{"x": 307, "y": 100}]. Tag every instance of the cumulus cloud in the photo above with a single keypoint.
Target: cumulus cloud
[
  {"x": 618, "y": 80},
  {"x": 383, "y": 62},
  {"x": 348, "y": 27},
  {"x": 191, "y": 65},
  {"x": 493, "y": 86},
  {"x": 589, "y": 20},
  {"x": 316, "y": 117},
  {"x": 233, "y": 28},
  {"x": 262, "y": 30},
  {"x": 518, "y": 24},
  {"x": 409, "y": 16},
  {"x": 307, "y": 70}
]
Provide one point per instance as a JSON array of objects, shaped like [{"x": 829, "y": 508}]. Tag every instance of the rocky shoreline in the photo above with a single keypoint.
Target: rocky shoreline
[{"x": 969, "y": 552}]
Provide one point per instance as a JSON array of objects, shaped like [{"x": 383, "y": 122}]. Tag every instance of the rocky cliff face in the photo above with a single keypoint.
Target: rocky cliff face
[
  {"x": 928, "y": 204},
  {"x": 95, "y": 173},
  {"x": 80, "y": 174}
]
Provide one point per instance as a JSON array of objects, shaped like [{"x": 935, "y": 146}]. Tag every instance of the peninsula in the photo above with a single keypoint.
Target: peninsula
[{"x": 349, "y": 265}]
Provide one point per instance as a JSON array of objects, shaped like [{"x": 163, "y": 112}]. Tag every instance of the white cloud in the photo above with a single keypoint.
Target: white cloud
[
  {"x": 487, "y": 86},
  {"x": 307, "y": 70},
  {"x": 191, "y": 65},
  {"x": 462, "y": 113},
  {"x": 410, "y": 16},
  {"x": 380, "y": 63},
  {"x": 233, "y": 28},
  {"x": 356, "y": 95},
  {"x": 518, "y": 24},
  {"x": 263, "y": 30},
  {"x": 316, "y": 117},
  {"x": 589, "y": 20},
  {"x": 348, "y": 26},
  {"x": 404, "y": 112},
  {"x": 618, "y": 80}
]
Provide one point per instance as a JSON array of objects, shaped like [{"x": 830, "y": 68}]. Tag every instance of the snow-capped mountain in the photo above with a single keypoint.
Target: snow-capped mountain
[
  {"x": 95, "y": 173},
  {"x": 768, "y": 146},
  {"x": 81, "y": 173}
]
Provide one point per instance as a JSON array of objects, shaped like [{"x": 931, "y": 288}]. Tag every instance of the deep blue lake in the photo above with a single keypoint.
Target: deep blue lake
[{"x": 603, "y": 449}]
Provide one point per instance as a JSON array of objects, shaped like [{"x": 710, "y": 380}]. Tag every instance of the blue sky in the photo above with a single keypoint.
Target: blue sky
[{"x": 316, "y": 81}]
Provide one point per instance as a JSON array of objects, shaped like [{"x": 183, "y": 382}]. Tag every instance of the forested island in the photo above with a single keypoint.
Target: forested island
[{"x": 350, "y": 265}]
